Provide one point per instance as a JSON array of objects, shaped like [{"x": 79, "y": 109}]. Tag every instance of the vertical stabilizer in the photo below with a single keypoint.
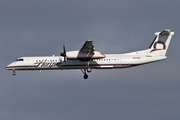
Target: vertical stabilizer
[{"x": 160, "y": 44}]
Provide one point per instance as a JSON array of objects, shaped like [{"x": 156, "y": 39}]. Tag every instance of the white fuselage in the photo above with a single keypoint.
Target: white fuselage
[{"x": 109, "y": 62}]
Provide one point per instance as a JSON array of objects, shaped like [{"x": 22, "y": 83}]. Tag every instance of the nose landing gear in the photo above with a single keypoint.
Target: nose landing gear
[{"x": 14, "y": 73}]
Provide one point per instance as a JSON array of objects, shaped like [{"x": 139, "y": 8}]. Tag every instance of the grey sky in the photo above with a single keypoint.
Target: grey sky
[{"x": 41, "y": 27}]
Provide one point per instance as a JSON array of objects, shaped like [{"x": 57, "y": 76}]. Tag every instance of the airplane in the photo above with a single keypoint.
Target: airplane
[{"x": 87, "y": 58}]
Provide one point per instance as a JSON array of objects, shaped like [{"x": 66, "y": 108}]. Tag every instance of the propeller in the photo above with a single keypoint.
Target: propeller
[{"x": 64, "y": 53}]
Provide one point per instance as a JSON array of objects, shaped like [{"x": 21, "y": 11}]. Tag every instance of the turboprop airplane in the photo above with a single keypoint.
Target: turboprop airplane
[{"x": 87, "y": 58}]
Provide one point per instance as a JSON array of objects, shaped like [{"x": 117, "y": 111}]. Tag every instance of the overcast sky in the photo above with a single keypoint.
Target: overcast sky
[{"x": 41, "y": 27}]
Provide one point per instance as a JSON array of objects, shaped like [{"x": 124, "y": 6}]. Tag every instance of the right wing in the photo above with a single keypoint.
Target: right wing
[
  {"x": 86, "y": 53},
  {"x": 88, "y": 48}
]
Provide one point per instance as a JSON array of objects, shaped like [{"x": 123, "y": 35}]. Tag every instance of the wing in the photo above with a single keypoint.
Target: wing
[
  {"x": 86, "y": 53},
  {"x": 88, "y": 48}
]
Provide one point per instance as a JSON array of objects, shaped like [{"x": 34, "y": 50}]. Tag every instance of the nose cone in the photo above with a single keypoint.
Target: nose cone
[{"x": 9, "y": 67}]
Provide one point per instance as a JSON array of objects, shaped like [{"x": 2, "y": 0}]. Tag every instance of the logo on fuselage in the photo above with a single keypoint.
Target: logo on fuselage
[
  {"x": 45, "y": 63},
  {"x": 159, "y": 45}
]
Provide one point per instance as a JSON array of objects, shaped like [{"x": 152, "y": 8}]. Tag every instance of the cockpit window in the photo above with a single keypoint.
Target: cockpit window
[{"x": 19, "y": 60}]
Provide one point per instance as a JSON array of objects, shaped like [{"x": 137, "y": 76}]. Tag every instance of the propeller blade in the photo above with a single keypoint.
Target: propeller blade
[
  {"x": 64, "y": 49},
  {"x": 64, "y": 53}
]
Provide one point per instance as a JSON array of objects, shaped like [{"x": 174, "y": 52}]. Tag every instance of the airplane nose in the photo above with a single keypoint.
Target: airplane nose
[{"x": 8, "y": 67}]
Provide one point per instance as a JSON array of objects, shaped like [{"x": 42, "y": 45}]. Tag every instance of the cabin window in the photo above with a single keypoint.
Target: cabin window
[{"x": 20, "y": 60}]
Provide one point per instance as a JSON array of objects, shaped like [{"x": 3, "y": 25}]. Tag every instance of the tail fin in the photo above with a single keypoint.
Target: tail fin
[{"x": 160, "y": 44}]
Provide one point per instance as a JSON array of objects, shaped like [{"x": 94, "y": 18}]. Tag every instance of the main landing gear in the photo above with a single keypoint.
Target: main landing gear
[
  {"x": 85, "y": 74},
  {"x": 14, "y": 73}
]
